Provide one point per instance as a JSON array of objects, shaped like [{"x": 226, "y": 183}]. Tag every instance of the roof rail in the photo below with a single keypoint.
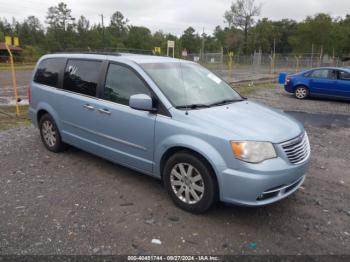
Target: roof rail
[{"x": 106, "y": 51}]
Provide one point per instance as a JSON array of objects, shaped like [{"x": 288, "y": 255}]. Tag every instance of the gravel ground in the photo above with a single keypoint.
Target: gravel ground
[{"x": 77, "y": 203}]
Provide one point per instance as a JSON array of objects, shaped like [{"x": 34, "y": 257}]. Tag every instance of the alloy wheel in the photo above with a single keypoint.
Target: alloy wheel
[
  {"x": 49, "y": 133},
  {"x": 301, "y": 92},
  {"x": 187, "y": 183}
]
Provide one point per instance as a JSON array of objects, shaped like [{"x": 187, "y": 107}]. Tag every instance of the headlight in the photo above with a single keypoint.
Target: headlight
[{"x": 253, "y": 152}]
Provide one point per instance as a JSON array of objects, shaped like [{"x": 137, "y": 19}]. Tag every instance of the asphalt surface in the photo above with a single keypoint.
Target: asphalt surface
[
  {"x": 278, "y": 98},
  {"x": 6, "y": 88}
]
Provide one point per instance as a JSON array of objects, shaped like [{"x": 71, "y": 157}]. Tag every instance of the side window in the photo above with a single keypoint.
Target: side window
[
  {"x": 333, "y": 74},
  {"x": 121, "y": 83},
  {"x": 308, "y": 74},
  {"x": 344, "y": 75},
  {"x": 321, "y": 73},
  {"x": 48, "y": 71},
  {"x": 81, "y": 76}
]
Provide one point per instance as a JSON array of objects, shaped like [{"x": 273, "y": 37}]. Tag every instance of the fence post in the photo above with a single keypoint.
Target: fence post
[
  {"x": 297, "y": 64},
  {"x": 14, "y": 84},
  {"x": 230, "y": 60}
]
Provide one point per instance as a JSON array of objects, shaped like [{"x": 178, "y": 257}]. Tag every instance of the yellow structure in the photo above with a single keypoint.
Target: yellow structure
[
  {"x": 8, "y": 40},
  {"x": 16, "y": 41},
  {"x": 14, "y": 83},
  {"x": 157, "y": 50}
]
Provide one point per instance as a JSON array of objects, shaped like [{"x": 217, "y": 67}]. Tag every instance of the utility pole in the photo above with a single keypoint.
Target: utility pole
[
  {"x": 274, "y": 56},
  {"x": 321, "y": 56},
  {"x": 103, "y": 30},
  {"x": 202, "y": 56},
  {"x": 312, "y": 54}
]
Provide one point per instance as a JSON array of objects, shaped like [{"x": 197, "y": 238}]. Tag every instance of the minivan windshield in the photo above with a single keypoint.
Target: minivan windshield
[{"x": 189, "y": 85}]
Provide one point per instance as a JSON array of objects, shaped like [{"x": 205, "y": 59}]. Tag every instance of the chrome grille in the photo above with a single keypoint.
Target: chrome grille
[{"x": 297, "y": 149}]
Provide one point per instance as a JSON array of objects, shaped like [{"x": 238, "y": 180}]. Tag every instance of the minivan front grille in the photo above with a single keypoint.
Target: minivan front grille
[{"x": 298, "y": 149}]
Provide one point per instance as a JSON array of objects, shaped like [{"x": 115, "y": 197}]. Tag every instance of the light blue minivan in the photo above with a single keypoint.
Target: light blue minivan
[{"x": 171, "y": 119}]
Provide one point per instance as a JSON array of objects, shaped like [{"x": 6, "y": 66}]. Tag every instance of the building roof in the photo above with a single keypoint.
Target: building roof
[{"x": 12, "y": 48}]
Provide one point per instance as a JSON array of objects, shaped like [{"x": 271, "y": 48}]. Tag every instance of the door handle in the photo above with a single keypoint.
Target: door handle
[
  {"x": 104, "y": 111},
  {"x": 89, "y": 107}
]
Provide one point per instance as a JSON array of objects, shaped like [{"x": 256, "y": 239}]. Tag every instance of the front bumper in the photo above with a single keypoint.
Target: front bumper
[{"x": 261, "y": 188}]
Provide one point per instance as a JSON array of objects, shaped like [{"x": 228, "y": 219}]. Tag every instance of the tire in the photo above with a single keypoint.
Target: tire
[
  {"x": 50, "y": 135},
  {"x": 301, "y": 92},
  {"x": 185, "y": 172}
]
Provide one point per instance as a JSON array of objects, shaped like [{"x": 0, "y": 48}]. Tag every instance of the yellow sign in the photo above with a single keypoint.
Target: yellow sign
[
  {"x": 16, "y": 41},
  {"x": 157, "y": 50},
  {"x": 230, "y": 54},
  {"x": 8, "y": 40}
]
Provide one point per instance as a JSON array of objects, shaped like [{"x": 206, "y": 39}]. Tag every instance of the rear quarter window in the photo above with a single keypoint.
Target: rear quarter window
[
  {"x": 81, "y": 76},
  {"x": 48, "y": 71}
]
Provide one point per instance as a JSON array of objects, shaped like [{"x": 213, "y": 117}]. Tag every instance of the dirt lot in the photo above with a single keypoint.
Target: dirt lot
[{"x": 77, "y": 203}]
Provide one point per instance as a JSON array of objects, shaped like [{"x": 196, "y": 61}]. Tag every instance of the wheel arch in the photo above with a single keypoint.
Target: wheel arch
[
  {"x": 196, "y": 145},
  {"x": 176, "y": 149},
  {"x": 44, "y": 108},
  {"x": 301, "y": 85},
  {"x": 40, "y": 113}
]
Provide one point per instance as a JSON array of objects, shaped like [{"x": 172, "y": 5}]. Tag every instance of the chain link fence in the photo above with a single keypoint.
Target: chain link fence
[
  {"x": 236, "y": 69},
  {"x": 262, "y": 67}
]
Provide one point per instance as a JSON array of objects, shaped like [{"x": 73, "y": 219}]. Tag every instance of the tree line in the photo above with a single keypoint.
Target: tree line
[{"x": 243, "y": 33}]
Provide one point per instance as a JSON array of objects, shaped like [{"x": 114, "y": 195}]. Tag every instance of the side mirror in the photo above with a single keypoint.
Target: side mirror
[{"x": 141, "y": 102}]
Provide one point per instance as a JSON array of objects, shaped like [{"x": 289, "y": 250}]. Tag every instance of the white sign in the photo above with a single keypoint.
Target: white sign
[{"x": 171, "y": 44}]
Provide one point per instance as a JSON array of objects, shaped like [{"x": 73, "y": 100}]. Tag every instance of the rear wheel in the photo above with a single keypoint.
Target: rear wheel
[
  {"x": 50, "y": 135},
  {"x": 301, "y": 92},
  {"x": 190, "y": 182}
]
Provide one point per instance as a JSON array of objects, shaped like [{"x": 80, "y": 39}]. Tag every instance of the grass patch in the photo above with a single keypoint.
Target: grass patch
[
  {"x": 7, "y": 67},
  {"x": 8, "y": 118},
  {"x": 247, "y": 89}
]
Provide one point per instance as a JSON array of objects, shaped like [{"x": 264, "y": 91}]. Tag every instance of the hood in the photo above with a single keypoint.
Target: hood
[{"x": 247, "y": 120}]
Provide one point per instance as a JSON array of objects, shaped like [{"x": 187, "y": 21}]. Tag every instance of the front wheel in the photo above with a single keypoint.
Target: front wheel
[
  {"x": 190, "y": 182},
  {"x": 301, "y": 92}
]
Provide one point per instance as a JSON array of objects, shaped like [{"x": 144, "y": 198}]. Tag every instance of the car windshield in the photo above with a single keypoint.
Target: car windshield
[{"x": 190, "y": 85}]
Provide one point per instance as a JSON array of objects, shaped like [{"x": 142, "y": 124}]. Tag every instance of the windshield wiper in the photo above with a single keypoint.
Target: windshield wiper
[
  {"x": 226, "y": 101},
  {"x": 192, "y": 106}
]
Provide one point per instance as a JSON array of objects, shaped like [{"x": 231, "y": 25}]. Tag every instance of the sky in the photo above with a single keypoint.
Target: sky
[{"x": 173, "y": 16}]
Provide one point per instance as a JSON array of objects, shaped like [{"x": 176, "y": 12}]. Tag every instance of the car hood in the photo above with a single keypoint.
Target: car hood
[{"x": 247, "y": 120}]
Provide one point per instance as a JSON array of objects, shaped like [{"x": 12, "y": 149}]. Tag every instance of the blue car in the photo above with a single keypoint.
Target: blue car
[
  {"x": 173, "y": 120},
  {"x": 328, "y": 82}
]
